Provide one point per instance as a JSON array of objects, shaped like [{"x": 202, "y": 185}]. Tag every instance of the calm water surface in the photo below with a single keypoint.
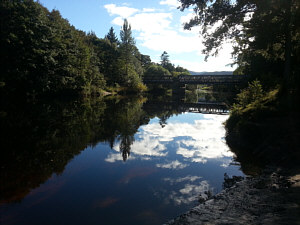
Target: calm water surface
[{"x": 115, "y": 162}]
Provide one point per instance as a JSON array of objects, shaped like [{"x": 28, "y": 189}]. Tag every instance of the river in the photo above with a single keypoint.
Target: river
[{"x": 112, "y": 161}]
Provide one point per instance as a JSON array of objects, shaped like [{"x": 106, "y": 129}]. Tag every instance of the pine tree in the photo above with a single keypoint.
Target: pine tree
[{"x": 111, "y": 36}]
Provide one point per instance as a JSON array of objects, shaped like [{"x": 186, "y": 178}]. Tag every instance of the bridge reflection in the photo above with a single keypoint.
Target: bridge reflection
[
  {"x": 200, "y": 107},
  {"x": 204, "y": 107}
]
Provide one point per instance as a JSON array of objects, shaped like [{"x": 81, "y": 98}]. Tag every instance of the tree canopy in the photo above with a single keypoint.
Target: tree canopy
[
  {"x": 41, "y": 54},
  {"x": 265, "y": 34}
]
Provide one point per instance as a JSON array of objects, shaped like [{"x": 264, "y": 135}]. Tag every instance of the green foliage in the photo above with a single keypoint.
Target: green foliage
[
  {"x": 130, "y": 60},
  {"x": 174, "y": 71},
  {"x": 127, "y": 46},
  {"x": 164, "y": 59},
  {"x": 111, "y": 36},
  {"x": 243, "y": 115},
  {"x": 252, "y": 93},
  {"x": 165, "y": 62},
  {"x": 156, "y": 70},
  {"x": 265, "y": 36},
  {"x": 145, "y": 61},
  {"x": 41, "y": 53}
]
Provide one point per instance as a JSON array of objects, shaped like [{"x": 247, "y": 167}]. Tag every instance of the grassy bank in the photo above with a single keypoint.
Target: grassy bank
[{"x": 264, "y": 129}]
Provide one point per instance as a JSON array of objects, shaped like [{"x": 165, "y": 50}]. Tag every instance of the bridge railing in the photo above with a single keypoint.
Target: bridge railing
[
  {"x": 196, "y": 79},
  {"x": 207, "y": 79}
]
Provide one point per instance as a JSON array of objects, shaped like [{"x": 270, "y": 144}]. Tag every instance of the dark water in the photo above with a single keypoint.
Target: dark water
[{"x": 123, "y": 161}]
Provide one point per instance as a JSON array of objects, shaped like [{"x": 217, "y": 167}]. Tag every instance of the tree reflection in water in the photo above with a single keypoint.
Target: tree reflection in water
[
  {"x": 38, "y": 140},
  {"x": 125, "y": 145}
]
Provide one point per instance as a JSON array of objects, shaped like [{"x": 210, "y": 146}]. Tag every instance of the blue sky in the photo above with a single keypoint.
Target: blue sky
[{"x": 156, "y": 25}]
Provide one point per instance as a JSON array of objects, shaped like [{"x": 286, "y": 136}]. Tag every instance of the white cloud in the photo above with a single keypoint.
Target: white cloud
[
  {"x": 182, "y": 179},
  {"x": 122, "y": 11},
  {"x": 156, "y": 31},
  {"x": 172, "y": 165},
  {"x": 172, "y": 42},
  {"x": 192, "y": 189},
  {"x": 147, "y": 24},
  {"x": 194, "y": 147},
  {"x": 208, "y": 145},
  {"x": 172, "y": 3},
  {"x": 218, "y": 63},
  {"x": 113, "y": 157},
  {"x": 148, "y": 146},
  {"x": 149, "y": 10},
  {"x": 196, "y": 142},
  {"x": 189, "y": 193},
  {"x": 118, "y": 21}
]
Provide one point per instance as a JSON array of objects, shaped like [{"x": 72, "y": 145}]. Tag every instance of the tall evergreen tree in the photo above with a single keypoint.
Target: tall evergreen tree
[
  {"x": 165, "y": 62},
  {"x": 164, "y": 59},
  {"x": 111, "y": 36},
  {"x": 127, "y": 45},
  {"x": 129, "y": 57}
]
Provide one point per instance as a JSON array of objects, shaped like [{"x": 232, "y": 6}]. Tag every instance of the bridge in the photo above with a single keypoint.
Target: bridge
[
  {"x": 195, "y": 79},
  {"x": 200, "y": 107}
]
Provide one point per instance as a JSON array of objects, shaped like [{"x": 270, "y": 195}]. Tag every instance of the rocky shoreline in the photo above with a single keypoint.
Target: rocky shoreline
[{"x": 270, "y": 198}]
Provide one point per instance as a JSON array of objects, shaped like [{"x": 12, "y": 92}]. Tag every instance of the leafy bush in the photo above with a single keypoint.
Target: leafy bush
[
  {"x": 252, "y": 93},
  {"x": 156, "y": 70}
]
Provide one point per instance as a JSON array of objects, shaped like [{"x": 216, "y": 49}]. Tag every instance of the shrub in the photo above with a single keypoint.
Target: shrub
[{"x": 252, "y": 93}]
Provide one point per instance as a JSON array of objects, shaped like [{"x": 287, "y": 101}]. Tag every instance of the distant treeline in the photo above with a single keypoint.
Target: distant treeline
[{"x": 41, "y": 53}]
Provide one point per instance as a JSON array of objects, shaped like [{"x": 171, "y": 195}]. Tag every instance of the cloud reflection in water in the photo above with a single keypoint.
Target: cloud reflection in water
[
  {"x": 196, "y": 141},
  {"x": 187, "y": 189},
  {"x": 172, "y": 165}
]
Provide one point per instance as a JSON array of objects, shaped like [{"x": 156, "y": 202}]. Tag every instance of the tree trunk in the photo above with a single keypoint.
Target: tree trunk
[{"x": 288, "y": 44}]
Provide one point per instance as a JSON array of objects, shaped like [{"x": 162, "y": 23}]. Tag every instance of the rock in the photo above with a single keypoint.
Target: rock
[{"x": 265, "y": 199}]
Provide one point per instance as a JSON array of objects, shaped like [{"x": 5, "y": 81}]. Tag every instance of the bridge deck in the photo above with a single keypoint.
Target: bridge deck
[{"x": 195, "y": 79}]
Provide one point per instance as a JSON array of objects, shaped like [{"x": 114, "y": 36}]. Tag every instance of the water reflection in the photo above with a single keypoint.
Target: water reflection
[
  {"x": 39, "y": 140},
  {"x": 195, "y": 142},
  {"x": 141, "y": 159}
]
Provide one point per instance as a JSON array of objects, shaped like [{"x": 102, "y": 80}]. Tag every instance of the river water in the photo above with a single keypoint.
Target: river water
[{"x": 111, "y": 161}]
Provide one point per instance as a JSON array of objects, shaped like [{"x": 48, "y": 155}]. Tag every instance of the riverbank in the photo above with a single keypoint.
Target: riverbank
[
  {"x": 265, "y": 137},
  {"x": 271, "y": 198}
]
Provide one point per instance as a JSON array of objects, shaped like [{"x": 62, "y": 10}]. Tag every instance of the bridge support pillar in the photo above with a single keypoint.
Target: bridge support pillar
[{"x": 178, "y": 90}]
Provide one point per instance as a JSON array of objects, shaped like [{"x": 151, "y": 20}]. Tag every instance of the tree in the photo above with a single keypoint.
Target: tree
[
  {"x": 266, "y": 32},
  {"x": 42, "y": 53},
  {"x": 23, "y": 25},
  {"x": 165, "y": 62},
  {"x": 164, "y": 59},
  {"x": 127, "y": 43},
  {"x": 145, "y": 61},
  {"x": 130, "y": 59},
  {"x": 109, "y": 57},
  {"x": 111, "y": 36},
  {"x": 156, "y": 70}
]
